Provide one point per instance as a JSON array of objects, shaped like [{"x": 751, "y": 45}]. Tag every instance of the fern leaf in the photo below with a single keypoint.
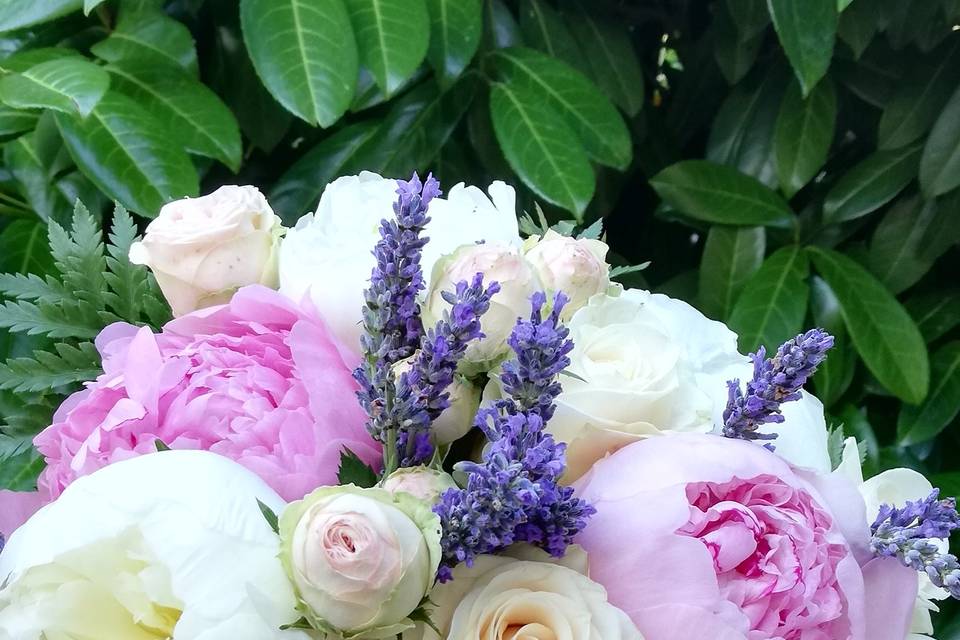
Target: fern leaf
[
  {"x": 20, "y": 472},
  {"x": 70, "y": 319},
  {"x": 30, "y": 286},
  {"x": 49, "y": 371},
  {"x": 128, "y": 282},
  {"x": 79, "y": 257}
]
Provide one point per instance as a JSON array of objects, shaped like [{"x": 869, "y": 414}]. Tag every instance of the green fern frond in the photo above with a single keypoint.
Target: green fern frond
[
  {"x": 79, "y": 256},
  {"x": 128, "y": 283},
  {"x": 68, "y": 319},
  {"x": 50, "y": 371},
  {"x": 30, "y": 286}
]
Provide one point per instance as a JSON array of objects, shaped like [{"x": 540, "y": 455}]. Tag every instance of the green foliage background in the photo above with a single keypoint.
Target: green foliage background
[{"x": 781, "y": 164}]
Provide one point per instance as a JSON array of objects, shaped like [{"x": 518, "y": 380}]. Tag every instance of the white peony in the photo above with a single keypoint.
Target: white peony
[
  {"x": 529, "y": 596},
  {"x": 167, "y": 545},
  {"x": 201, "y": 250},
  {"x": 328, "y": 254},
  {"x": 896, "y": 487}
]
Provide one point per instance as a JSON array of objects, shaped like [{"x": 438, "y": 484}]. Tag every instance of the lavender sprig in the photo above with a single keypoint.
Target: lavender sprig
[
  {"x": 514, "y": 495},
  {"x": 421, "y": 392},
  {"x": 775, "y": 381},
  {"x": 911, "y": 533}
]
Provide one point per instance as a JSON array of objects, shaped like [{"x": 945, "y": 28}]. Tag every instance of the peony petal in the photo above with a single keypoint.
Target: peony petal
[
  {"x": 16, "y": 507},
  {"x": 890, "y": 594}
]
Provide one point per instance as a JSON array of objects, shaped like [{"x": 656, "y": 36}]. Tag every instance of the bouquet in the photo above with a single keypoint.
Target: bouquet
[{"x": 463, "y": 435}]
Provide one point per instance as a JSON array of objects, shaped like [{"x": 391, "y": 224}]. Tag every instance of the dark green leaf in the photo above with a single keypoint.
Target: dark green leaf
[
  {"x": 13, "y": 121},
  {"x": 773, "y": 304},
  {"x": 543, "y": 29},
  {"x": 455, "y": 30},
  {"x": 500, "y": 29},
  {"x": 597, "y": 122},
  {"x": 610, "y": 57},
  {"x": 940, "y": 163},
  {"x": 16, "y": 14},
  {"x": 855, "y": 424},
  {"x": 835, "y": 374},
  {"x": 921, "y": 423},
  {"x": 353, "y": 470},
  {"x": 188, "y": 109},
  {"x": 909, "y": 239},
  {"x": 20, "y": 472},
  {"x": 269, "y": 516},
  {"x": 730, "y": 256},
  {"x": 391, "y": 37},
  {"x": 743, "y": 131},
  {"x": 920, "y": 97},
  {"x": 127, "y": 153},
  {"x": 881, "y": 330},
  {"x": 720, "y": 194},
  {"x": 935, "y": 313},
  {"x": 735, "y": 53},
  {"x": 24, "y": 249},
  {"x": 23, "y": 60},
  {"x": 541, "y": 148},
  {"x": 24, "y": 156},
  {"x": 160, "y": 445},
  {"x": 71, "y": 85},
  {"x": 807, "y": 33},
  {"x": 750, "y": 16},
  {"x": 305, "y": 54},
  {"x": 871, "y": 184},
  {"x": 803, "y": 135},
  {"x": 299, "y": 189},
  {"x": 858, "y": 26},
  {"x": 149, "y": 35}
]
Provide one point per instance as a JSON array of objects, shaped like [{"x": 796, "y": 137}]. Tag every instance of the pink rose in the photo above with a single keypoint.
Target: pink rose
[
  {"x": 259, "y": 380},
  {"x": 728, "y": 542}
]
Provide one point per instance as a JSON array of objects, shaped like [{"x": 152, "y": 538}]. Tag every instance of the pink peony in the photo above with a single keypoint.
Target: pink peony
[
  {"x": 728, "y": 542},
  {"x": 258, "y": 380}
]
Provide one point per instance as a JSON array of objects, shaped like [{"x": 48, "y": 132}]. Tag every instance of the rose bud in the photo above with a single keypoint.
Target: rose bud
[
  {"x": 421, "y": 482},
  {"x": 576, "y": 267}
]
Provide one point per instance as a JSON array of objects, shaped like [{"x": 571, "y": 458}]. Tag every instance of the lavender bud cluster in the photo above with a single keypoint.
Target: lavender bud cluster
[
  {"x": 514, "y": 494},
  {"x": 911, "y": 534},
  {"x": 775, "y": 381}
]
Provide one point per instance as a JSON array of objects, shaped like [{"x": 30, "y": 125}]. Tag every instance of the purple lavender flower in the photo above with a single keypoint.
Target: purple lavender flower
[
  {"x": 911, "y": 534},
  {"x": 513, "y": 495},
  {"x": 775, "y": 381}
]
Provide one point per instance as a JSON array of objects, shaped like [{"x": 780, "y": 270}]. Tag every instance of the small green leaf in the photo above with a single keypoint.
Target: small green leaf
[
  {"x": 353, "y": 470},
  {"x": 455, "y": 30},
  {"x": 151, "y": 36},
  {"x": 269, "y": 516},
  {"x": 70, "y": 85},
  {"x": 871, "y": 184},
  {"x": 391, "y": 36},
  {"x": 305, "y": 54},
  {"x": 90, "y": 5},
  {"x": 543, "y": 29},
  {"x": 730, "y": 256},
  {"x": 921, "y": 423},
  {"x": 920, "y": 97},
  {"x": 20, "y": 472},
  {"x": 940, "y": 163},
  {"x": 773, "y": 304},
  {"x": 807, "y": 34},
  {"x": 720, "y": 194},
  {"x": 541, "y": 148},
  {"x": 611, "y": 58},
  {"x": 18, "y": 14},
  {"x": 935, "y": 312},
  {"x": 160, "y": 445},
  {"x": 835, "y": 374},
  {"x": 881, "y": 330},
  {"x": 599, "y": 125},
  {"x": 187, "y": 108},
  {"x": 803, "y": 135},
  {"x": 127, "y": 153}
]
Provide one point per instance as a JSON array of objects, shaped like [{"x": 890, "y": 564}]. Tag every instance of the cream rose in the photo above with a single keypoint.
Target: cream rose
[
  {"x": 643, "y": 364},
  {"x": 531, "y": 597},
  {"x": 203, "y": 249},
  {"x": 457, "y": 419},
  {"x": 148, "y": 549},
  {"x": 421, "y": 482},
  {"x": 361, "y": 560},
  {"x": 327, "y": 255},
  {"x": 577, "y": 267},
  {"x": 498, "y": 263}
]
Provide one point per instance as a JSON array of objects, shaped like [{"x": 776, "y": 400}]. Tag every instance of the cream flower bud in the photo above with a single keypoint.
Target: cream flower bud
[
  {"x": 203, "y": 249},
  {"x": 576, "y": 267},
  {"x": 421, "y": 482},
  {"x": 498, "y": 263},
  {"x": 457, "y": 419},
  {"x": 361, "y": 560}
]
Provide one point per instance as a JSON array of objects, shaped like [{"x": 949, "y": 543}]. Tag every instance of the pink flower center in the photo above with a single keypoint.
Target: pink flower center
[{"x": 772, "y": 555}]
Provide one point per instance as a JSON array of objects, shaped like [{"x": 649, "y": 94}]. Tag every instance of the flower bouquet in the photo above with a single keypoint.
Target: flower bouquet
[{"x": 463, "y": 436}]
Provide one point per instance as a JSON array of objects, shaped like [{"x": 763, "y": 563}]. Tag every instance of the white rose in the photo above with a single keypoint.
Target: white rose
[
  {"x": 203, "y": 249},
  {"x": 421, "y": 482},
  {"x": 644, "y": 365},
  {"x": 895, "y": 487},
  {"x": 532, "y": 597},
  {"x": 576, "y": 267},
  {"x": 361, "y": 560},
  {"x": 457, "y": 419},
  {"x": 328, "y": 254},
  {"x": 148, "y": 549},
  {"x": 498, "y": 263}
]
